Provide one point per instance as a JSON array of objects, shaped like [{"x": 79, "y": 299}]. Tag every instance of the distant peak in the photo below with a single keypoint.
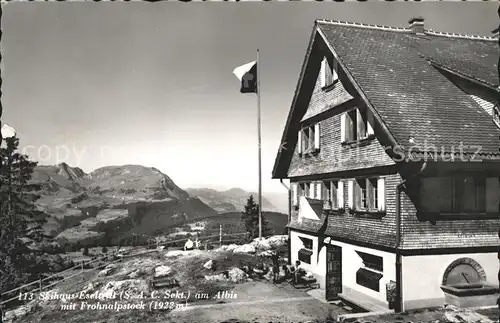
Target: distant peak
[{"x": 236, "y": 190}]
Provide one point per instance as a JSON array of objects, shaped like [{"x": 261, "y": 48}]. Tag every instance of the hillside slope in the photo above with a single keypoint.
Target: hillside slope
[
  {"x": 112, "y": 203},
  {"x": 232, "y": 200}
]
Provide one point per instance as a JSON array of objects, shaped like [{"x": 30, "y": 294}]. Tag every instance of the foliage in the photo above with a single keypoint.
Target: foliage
[
  {"x": 250, "y": 219},
  {"x": 20, "y": 219}
]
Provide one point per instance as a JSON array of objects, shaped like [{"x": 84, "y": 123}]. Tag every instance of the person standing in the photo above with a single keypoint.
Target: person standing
[
  {"x": 189, "y": 244},
  {"x": 297, "y": 272},
  {"x": 276, "y": 267}
]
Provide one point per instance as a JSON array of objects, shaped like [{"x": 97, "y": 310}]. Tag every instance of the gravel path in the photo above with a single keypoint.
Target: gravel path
[{"x": 260, "y": 302}]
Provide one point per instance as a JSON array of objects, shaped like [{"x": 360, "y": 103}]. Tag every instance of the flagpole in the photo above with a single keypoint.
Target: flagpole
[{"x": 260, "y": 148}]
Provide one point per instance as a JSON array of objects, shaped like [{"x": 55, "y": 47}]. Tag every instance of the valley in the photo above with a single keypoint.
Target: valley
[{"x": 130, "y": 204}]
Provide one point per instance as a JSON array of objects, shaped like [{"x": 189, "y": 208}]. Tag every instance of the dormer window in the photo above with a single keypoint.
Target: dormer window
[
  {"x": 329, "y": 70},
  {"x": 309, "y": 139}
]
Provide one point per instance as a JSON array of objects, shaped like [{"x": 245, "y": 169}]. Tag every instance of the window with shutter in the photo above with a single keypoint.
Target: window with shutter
[
  {"x": 369, "y": 194},
  {"x": 328, "y": 73},
  {"x": 310, "y": 139},
  {"x": 354, "y": 125},
  {"x": 363, "y": 194}
]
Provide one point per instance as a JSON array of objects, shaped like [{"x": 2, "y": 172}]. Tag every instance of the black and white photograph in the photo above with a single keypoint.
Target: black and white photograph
[{"x": 251, "y": 162}]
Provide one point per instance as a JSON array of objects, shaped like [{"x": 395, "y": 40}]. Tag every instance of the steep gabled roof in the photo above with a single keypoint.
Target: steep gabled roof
[{"x": 397, "y": 72}]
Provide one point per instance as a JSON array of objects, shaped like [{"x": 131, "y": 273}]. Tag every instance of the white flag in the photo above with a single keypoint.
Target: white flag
[{"x": 247, "y": 74}]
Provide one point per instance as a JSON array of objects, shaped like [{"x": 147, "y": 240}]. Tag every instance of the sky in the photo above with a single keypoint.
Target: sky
[{"x": 99, "y": 84}]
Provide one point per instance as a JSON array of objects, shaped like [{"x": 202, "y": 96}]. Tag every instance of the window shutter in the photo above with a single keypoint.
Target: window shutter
[
  {"x": 316, "y": 136},
  {"x": 381, "y": 194},
  {"x": 356, "y": 194},
  {"x": 328, "y": 72},
  {"x": 369, "y": 122},
  {"x": 299, "y": 142},
  {"x": 350, "y": 193},
  {"x": 295, "y": 195},
  {"x": 312, "y": 186},
  {"x": 343, "y": 129},
  {"x": 310, "y": 144},
  {"x": 492, "y": 194},
  {"x": 335, "y": 68},
  {"x": 360, "y": 125},
  {"x": 323, "y": 73},
  {"x": 340, "y": 194}
]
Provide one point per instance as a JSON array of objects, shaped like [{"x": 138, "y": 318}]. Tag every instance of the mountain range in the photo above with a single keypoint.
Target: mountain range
[
  {"x": 116, "y": 203},
  {"x": 232, "y": 200}
]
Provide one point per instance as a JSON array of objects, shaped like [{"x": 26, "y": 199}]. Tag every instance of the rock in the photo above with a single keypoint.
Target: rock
[
  {"x": 237, "y": 275},
  {"x": 109, "y": 270},
  {"x": 134, "y": 274},
  {"x": 208, "y": 264},
  {"x": 19, "y": 312},
  {"x": 162, "y": 271},
  {"x": 179, "y": 253},
  {"x": 90, "y": 288},
  {"x": 133, "y": 286},
  {"x": 267, "y": 253},
  {"x": 277, "y": 240},
  {"x": 219, "y": 277},
  {"x": 246, "y": 248},
  {"x": 261, "y": 244},
  {"x": 230, "y": 247}
]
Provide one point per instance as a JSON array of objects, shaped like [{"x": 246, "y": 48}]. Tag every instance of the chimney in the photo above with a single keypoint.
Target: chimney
[
  {"x": 495, "y": 33},
  {"x": 417, "y": 25}
]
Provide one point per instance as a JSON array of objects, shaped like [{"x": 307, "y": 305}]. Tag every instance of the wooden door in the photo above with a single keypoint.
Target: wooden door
[{"x": 333, "y": 272}]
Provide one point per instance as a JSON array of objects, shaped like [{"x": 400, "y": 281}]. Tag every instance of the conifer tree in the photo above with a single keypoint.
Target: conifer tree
[
  {"x": 20, "y": 219},
  {"x": 250, "y": 218}
]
